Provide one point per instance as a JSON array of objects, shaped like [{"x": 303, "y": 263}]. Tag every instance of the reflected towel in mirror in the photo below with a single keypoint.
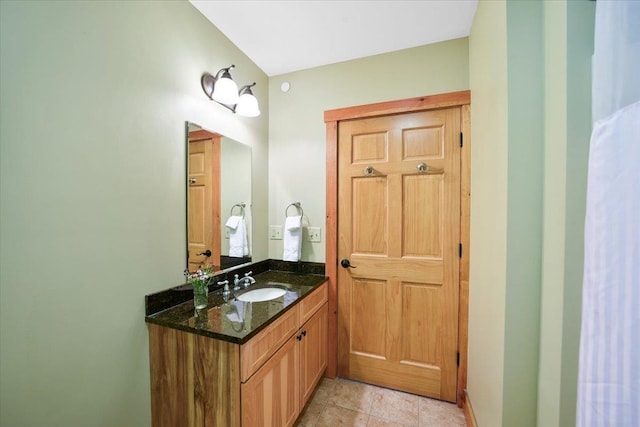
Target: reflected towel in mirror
[
  {"x": 233, "y": 222},
  {"x": 238, "y": 242}
]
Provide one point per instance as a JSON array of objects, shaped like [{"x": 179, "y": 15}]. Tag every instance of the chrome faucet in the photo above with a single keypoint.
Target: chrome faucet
[
  {"x": 244, "y": 282},
  {"x": 225, "y": 292}
]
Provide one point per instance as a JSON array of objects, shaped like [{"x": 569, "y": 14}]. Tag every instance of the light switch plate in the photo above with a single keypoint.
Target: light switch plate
[
  {"x": 314, "y": 234},
  {"x": 275, "y": 232}
]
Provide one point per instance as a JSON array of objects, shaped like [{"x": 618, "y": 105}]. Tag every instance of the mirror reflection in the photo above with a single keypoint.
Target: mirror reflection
[{"x": 218, "y": 200}]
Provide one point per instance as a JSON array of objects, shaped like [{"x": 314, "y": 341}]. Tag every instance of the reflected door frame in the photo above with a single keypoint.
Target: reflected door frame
[
  {"x": 332, "y": 118},
  {"x": 211, "y": 216}
]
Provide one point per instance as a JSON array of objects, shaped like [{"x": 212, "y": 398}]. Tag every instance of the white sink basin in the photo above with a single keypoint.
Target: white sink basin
[{"x": 262, "y": 294}]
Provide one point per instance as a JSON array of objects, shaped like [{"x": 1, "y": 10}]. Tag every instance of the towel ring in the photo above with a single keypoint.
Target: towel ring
[
  {"x": 298, "y": 207},
  {"x": 238, "y": 205}
]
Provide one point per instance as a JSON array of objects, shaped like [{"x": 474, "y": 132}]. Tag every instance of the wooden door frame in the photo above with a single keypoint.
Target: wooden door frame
[{"x": 460, "y": 99}]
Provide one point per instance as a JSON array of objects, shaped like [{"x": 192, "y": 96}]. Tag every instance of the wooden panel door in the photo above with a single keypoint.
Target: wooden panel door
[
  {"x": 203, "y": 199},
  {"x": 313, "y": 353},
  {"x": 399, "y": 227},
  {"x": 271, "y": 396}
]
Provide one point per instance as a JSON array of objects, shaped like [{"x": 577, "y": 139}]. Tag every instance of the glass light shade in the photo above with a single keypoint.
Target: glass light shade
[
  {"x": 225, "y": 91},
  {"x": 247, "y": 106}
]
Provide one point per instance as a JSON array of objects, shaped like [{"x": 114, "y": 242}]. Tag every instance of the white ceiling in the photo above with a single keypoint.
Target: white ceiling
[{"x": 290, "y": 35}]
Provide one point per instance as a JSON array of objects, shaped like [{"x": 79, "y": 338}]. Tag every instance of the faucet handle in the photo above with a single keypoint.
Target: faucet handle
[
  {"x": 226, "y": 285},
  {"x": 248, "y": 274}
]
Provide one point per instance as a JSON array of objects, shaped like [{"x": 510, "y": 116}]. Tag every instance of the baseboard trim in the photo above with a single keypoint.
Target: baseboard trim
[{"x": 468, "y": 411}]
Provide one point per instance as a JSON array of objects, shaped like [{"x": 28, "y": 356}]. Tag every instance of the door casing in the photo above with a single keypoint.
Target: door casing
[{"x": 432, "y": 102}]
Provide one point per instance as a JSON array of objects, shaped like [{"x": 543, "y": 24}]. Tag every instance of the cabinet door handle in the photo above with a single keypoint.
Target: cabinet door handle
[
  {"x": 299, "y": 337},
  {"x": 304, "y": 333}
]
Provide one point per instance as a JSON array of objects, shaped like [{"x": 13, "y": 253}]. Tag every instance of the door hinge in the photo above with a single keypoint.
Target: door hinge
[
  {"x": 460, "y": 139},
  {"x": 460, "y": 250},
  {"x": 458, "y": 359}
]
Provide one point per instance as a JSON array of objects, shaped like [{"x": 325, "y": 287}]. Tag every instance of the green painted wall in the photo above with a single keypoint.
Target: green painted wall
[
  {"x": 489, "y": 173},
  {"x": 549, "y": 45},
  {"x": 94, "y": 100},
  {"x": 297, "y": 130},
  {"x": 524, "y": 211},
  {"x": 569, "y": 46},
  {"x": 555, "y": 157}
]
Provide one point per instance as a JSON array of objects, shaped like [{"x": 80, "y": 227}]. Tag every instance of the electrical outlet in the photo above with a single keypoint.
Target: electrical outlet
[
  {"x": 275, "y": 232},
  {"x": 314, "y": 234}
]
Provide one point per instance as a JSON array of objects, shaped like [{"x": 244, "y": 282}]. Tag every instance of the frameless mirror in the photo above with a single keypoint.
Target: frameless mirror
[{"x": 218, "y": 200}]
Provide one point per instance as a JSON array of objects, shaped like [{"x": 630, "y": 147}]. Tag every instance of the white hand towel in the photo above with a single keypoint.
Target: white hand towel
[
  {"x": 233, "y": 222},
  {"x": 293, "y": 222},
  {"x": 238, "y": 245},
  {"x": 292, "y": 238},
  {"x": 245, "y": 244}
]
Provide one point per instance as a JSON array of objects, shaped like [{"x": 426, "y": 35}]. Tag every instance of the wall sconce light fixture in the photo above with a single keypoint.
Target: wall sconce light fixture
[{"x": 222, "y": 89}]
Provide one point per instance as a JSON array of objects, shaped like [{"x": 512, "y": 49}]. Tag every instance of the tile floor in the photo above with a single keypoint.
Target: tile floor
[{"x": 340, "y": 402}]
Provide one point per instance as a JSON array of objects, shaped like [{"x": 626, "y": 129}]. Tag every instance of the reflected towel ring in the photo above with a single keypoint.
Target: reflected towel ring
[
  {"x": 298, "y": 207},
  {"x": 239, "y": 205}
]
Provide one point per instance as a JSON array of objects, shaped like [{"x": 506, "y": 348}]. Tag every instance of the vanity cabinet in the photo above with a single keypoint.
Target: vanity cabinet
[
  {"x": 201, "y": 381},
  {"x": 277, "y": 392}
]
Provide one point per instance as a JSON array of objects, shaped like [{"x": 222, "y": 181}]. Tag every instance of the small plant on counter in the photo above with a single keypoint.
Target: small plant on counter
[
  {"x": 199, "y": 280},
  {"x": 200, "y": 277}
]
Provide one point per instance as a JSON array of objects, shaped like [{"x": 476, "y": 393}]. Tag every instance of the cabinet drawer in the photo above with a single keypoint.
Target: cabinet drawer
[
  {"x": 313, "y": 302},
  {"x": 261, "y": 347}
]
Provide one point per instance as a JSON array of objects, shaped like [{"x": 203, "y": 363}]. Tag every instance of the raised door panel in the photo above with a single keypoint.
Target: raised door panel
[
  {"x": 368, "y": 307},
  {"x": 422, "y": 216},
  {"x": 271, "y": 396},
  {"x": 369, "y": 215}
]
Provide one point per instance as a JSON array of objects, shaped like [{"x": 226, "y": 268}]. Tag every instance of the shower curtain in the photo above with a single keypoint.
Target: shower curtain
[{"x": 609, "y": 370}]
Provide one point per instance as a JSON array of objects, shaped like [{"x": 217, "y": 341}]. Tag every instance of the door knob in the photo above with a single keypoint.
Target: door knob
[
  {"x": 346, "y": 264},
  {"x": 206, "y": 253}
]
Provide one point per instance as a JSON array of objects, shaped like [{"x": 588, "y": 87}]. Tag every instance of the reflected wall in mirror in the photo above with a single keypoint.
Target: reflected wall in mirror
[{"x": 218, "y": 200}]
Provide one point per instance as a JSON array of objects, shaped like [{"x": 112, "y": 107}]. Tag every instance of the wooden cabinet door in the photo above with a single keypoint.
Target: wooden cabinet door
[
  {"x": 313, "y": 352},
  {"x": 270, "y": 398}
]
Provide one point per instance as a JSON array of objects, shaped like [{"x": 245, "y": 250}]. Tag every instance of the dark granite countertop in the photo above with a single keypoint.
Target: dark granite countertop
[{"x": 233, "y": 320}]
